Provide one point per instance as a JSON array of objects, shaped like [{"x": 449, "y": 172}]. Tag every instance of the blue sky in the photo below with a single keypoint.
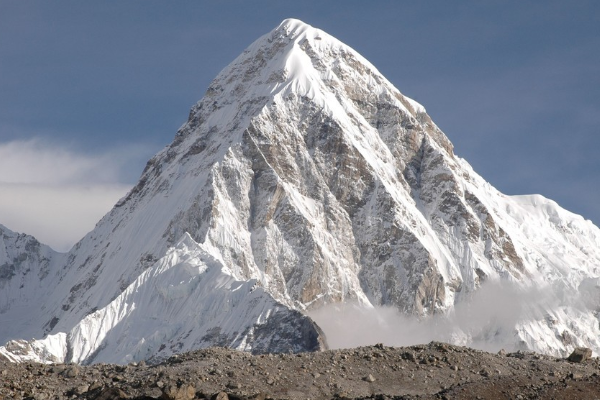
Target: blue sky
[{"x": 90, "y": 90}]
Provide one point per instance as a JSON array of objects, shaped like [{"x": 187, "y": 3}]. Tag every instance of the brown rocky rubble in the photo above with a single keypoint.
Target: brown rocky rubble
[{"x": 433, "y": 371}]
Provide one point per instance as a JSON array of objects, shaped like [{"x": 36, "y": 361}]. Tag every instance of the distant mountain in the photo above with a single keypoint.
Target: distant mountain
[{"x": 302, "y": 178}]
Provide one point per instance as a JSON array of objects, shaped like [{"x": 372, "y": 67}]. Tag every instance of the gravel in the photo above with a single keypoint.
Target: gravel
[{"x": 433, "y": 371}]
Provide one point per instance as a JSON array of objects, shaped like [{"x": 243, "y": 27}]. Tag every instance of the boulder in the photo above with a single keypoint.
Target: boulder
[{"x": 580, "y": 354}]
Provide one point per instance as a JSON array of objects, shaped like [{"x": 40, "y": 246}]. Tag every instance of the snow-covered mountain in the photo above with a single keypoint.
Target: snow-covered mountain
[
  {"x": 302, "y": 178},
  {"x": 186, "y": 300}
]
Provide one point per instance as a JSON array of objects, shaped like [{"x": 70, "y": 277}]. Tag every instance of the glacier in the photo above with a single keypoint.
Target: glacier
[{"x": 303, "y": 178}]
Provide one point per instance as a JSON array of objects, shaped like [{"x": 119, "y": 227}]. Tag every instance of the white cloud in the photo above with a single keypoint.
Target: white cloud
[
  {"x": 37, "y": 162},
  {"x": 486, "y": 320},
  {"x": 57, "y": 215},
  {"x": 58, "y": 194}
]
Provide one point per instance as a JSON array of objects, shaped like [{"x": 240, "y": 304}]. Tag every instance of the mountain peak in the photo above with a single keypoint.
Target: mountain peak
[
  {"x": 306, "y": 178},
  {"x": 288, "y": 53},
  {"x": 293, "y": 27},
  {"x": 297, "y": 32},
  {"x": 297, "y": 60}
]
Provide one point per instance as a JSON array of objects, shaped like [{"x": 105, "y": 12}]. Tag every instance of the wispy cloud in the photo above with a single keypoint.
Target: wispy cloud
[
  {"x": 486, "y": 319},
  {"x": 38, "y": 162},
  {"x": 58, "y": 215},
  {"x": 57, "y": 193}
]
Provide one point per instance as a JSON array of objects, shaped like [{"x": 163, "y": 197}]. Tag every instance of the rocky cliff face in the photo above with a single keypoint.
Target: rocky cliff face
[{"x": 304, "y": 172}]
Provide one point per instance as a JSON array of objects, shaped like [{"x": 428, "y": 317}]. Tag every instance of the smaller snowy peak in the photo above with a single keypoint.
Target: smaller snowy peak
[
  {"x": 13, "y": 244},
  {"x": 27, "y": 277},
  {"x": 28, "y": 274},
  {"x": 185, "y": 301}
]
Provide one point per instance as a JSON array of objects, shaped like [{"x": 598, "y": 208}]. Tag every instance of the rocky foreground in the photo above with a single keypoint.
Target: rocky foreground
[{"x": 432, "y": 371}]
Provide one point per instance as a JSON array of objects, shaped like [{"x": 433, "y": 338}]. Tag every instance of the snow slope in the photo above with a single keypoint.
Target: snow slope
[
  {"x": 27, "y": 270},
  {"x": 185, "y": 301},
  {"x": 307, "y": 174}
]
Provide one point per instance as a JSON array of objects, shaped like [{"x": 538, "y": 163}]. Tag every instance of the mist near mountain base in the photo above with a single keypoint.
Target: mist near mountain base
[{"x": 485, "y": 319}]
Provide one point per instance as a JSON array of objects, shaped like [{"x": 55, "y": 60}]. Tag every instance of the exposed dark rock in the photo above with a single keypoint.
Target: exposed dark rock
[
  {"x": 220, "y": 396},
  {"x": 580, "y": 354},
  {"x": 179, "y": 392},
  {"x": 111, "y": 394},
  {"x": 369, "y": 378}
]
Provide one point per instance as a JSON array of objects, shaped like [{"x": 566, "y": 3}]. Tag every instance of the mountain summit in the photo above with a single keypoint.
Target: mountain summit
[{"x": 302, "y": 178}]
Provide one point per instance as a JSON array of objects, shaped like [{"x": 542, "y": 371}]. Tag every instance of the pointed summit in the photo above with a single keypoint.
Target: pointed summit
[
  {"x": 293, "y": 27},
  {"x": 297, "y": 59}
]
